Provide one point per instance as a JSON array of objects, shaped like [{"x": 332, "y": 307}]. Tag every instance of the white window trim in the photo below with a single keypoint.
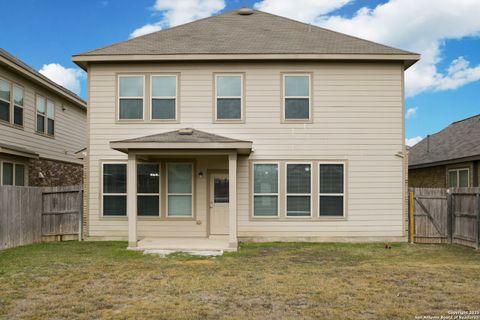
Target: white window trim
[
  {"x": 159, "y": 194},
  {"x": 457, "y": 171},
  {"x": 163, "y": 97},
  {"x": 112, "y": 194},
  {"x": 344, "y": 195},
  {"x": 17, "y": 105},
  {"x": 265, "y": 194},
  {"x": 179, "y": 194},
  {"x": 44, "y": 115},
  {"x": 14, "y": 179},
  {"x": 130, "y": 97},
  {"x": 298, "y": 194},
  {"x": 229, "y": 97},
  {"x": 309, "y": 97},
  {"x": 47, "y": 117},
  {"x": 9, "y": 102}
]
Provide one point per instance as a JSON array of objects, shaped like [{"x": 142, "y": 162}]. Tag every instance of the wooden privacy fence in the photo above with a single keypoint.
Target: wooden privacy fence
[
  {"x": 445, "y": 216},
  {"x": 34, "y": 214}
]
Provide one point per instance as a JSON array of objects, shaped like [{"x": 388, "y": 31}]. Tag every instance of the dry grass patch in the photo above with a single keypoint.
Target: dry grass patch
[{"x": 88, "y": 280}]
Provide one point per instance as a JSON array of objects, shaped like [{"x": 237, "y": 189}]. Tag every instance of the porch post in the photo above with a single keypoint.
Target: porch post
[
  {"x": 132, "y": 200},
  {"x": 232, "y": 176}
]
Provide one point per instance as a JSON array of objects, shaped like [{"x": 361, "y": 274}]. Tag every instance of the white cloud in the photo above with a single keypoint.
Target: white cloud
[
  {"x": 413, "y": 141},
  {"x": 66, "y": 77},
  {"x": 411, "y": 112},
  {"x": 419, "y": 26},
  {"x": 177, "y": 12}
]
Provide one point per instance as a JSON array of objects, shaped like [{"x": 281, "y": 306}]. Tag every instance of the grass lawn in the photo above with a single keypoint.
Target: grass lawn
[{"x": 90, "y": 280}]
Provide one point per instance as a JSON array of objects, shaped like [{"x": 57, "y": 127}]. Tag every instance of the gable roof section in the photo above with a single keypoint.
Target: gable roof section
[
  {"x": 27, "y": 71},
  {"x": 459, "y": 141},
  {"x": 255, "y": 34}
]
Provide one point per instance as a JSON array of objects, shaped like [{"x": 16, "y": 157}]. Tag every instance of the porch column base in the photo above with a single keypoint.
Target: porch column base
[{"x": 132, "y": 244}]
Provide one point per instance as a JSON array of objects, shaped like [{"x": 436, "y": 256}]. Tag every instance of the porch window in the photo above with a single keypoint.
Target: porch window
[
  {"x": 459, "y": 178},
  {"x": 50, "y": 118},
  {"x": 296, "y": 96},
  {"x": 131, "y": 93},
  {"x": 41, "y": 113},
  {"x": 114, "y": 189},
  {"x": 13, "y": 174},
  {"x": 332, "y": 189},
  {"x": 179, "y": 189},
  {"x": 265, "y": 190},
  {"x": 7, "y": 174},
  {"x": 228, "y": 101},
  {"x": 148, "y": 189},
  {"x": 299, "y": 186},
  {"x": 4, "y": 100},
  {"x": 164, "y": 97},
  {"x": 18, "y": 105}
]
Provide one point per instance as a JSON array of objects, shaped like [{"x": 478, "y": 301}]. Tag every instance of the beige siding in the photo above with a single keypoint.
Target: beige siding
[
  {"x": 357, "y": 118},
  {"x": 70, "y": 124}
]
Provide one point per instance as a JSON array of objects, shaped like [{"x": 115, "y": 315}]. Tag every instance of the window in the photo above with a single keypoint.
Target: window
[
  {"x": 179, "y": 189},
  {"x": 18, "y": 105},
  {"x": 459, "y": 178},
  {"x": 220, "y": 190},
  {"x": 332, "y": 189},
  {"x": 299, "y": 185},
  {"x": 114, "y": 189},
  {"x": 265, "y": 190},
  {"x": 50, "y": 118},
  {"x": 13, "y": 174},
  {"x": 148, "y": 189},
  {"x": 164, "y": 97},
  {"x": 228, "y": 100},
  {"x": 4, "y": 100},
  {"x": 131, "y": 92},
  {"x": 41, "y": 113},
  {"x": 296, "y": 97}
]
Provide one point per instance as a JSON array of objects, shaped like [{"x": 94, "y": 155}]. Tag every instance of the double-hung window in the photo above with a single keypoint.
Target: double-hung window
[
  {"x": 41, "y": 113},
  {"x": 114, "y": 189},
  {"x": 148, "y": 189},
  {"x": 4, "y": 100},
  {"x": 50, "y": 117},
  {"x": 18, "y": 105},
  {"x": 179, "y": 189},
  {"x": 131, "y": 97},
  {"x": 13, "y": 174},
  {"x": 45, "y": 115},
  {"x": 297, "y": 101},
  {"x": 332, "y": 189},
  {"x": 299, "y": 188},
  {"x": 265, "y": 190},
  {"x": 164, "y": 97},
  {"x": 229, "y": 97},
  {"x": 459, "y": 178}
]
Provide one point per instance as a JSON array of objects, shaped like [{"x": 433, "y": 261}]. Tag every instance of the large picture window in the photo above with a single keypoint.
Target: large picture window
[
  {"x": 148, "y": 189},
  {"x": 265, "y": 190},
  {"x": 332, "y": 189},
  {"x": 164, "y": 97},
  {"x": 114, "y": 189},
  {"x": 299, "y": 184},
  {"x": 179, "y": 189},
  {"x": 296, "y": 92},
  {"x": 131, "y": 97},
  {"x": 228, "y": 100},
  {"x": 459, "y": 178}
]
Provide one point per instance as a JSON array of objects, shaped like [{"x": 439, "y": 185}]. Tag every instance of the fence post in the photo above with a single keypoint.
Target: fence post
[
  {"x": 478, "y": 221},
  {"x": 411, "y": 219},
  {"x": 449, "y": 216},
  {"x": 80, "y": 215}
]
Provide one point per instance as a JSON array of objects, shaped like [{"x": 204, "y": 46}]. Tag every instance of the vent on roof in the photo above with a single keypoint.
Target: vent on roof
[
  {"x": 245, "y": 11},
  {"x": 185, "y": 132}
]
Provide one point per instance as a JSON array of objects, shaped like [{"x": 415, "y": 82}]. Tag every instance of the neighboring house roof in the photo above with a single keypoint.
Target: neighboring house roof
[
  {"x": 460, "y": 141},
  {"x": 182, "y": 139},
  {"x": 231, "y": 33},
  {"x": 18, "y": 151},
  {"x": 11, "y": 61}
]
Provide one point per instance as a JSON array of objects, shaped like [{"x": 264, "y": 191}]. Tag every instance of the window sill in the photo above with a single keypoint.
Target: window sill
[
  {"x": 163, "y": 121},
  {"x": 298, "y": 219},
  {"x": 297, "y": 121},
  {"x": 158, "y": 218},
  {"x": 117, "y": 218},
  {"x": 12, "y": 125},
  {"x": 45, "y": 135},
  {"x": 228, "y": 121}
]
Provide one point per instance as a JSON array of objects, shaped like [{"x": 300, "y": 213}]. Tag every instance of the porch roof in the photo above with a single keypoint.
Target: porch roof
[
  {"x": 183, "y": 139},
  {"x": 17, "y": 151}
]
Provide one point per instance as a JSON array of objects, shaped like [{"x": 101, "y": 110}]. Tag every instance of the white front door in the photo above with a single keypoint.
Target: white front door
[{"x": 219, "y": 203}]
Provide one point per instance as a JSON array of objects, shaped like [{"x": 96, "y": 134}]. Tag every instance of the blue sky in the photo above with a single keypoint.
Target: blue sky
[{"x": 43, "y": 32}]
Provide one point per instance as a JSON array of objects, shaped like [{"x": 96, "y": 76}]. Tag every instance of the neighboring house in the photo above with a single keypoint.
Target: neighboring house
[
  {"x": 449, "y": 158},
  {"x": 42, "y": 125},
  {"x": 245, "y": 126}
]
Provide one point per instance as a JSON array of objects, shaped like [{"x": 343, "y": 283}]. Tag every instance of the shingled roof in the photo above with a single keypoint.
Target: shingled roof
[
  {"x": 458, "y": 141},
  {"x": 232, "y": 33}
]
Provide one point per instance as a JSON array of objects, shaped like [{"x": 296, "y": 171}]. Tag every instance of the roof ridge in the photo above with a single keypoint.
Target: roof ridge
[{"x": 468, "y": 118}]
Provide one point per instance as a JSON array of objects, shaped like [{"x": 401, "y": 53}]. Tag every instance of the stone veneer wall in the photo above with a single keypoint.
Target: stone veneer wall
[{"x": 56, "y": 173}]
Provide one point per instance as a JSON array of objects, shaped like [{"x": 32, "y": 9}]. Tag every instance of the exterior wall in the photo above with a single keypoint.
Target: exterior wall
[
  {"x": 55, "y": 173},
  {"x": 70, "y": 124},
  {"x": 436, "y": 176},
  {"x": 357, "y": 118}
]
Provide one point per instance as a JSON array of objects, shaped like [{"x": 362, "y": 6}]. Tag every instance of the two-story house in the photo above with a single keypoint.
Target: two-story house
[
  {"x": 245, "y": 126},
  {"x": 42, "y": 126}
]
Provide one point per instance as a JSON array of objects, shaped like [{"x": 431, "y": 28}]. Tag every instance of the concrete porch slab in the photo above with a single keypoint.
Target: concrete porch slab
[{"x": 188, "y": 245}]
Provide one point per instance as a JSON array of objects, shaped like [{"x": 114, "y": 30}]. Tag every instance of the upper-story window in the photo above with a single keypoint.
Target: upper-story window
[
  {"x": 4, "y": 100},
  {"x": 18, "y": 105},
  {"x": 45, "y": 115},
  {"x": 229, "y": 97},
  {"x": 41, "y": 112},
  {"x": 50, "y": 117},
  {"x": 7, "y": 100},
  {"x": 131, "y": 97},
  {"x": 164, "y": 97},
  {"x": 297, "y": 101}
]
